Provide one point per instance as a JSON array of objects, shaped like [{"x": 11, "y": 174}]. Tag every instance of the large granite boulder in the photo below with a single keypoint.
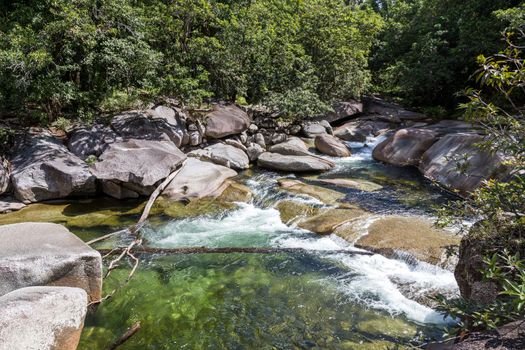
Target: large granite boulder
[
  {"x": 275, "y": 161},
  {"x": 198, "y": 179},
  {"x": 156, "y": 125},
  {"x": 360, "y": 130},
  {"x": 43, "y": 169},
  {"x": 458, "y": 164},
  {"x": 405, "y": 146},
  {"x": 45, "y": 254},
  {"x": 134, "y": 167},
  {"x": 331, "y": 146},
  {"x": 42, "y": 318},
  {"x": 343, "y": 110},
  {"x": 222, "y": 154},
  {"x": 5, "y": 175},
  {"x": 312, "y": 129},
  {"x": 226, "y": 120},
  {"x": 294, "y": 146},
  {"x": 373, "y": 105},
  {"x": 85, "y": 142}
]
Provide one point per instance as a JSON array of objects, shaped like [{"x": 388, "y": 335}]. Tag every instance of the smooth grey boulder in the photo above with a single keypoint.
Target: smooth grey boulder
[
  {"x": 405, "y": 146},
  {"x": 85, "y": 142},
  {"x": 4, "y": 176},
  {"x": 458, "y": 164},
  {"x": 226, "y": 120},
  {"x": 331, "y": 146},
  {"x": 45, "y": 254},
  {"x": 254, "y": 150},
  {"x": 222, "y": 154},
  {"x": 292, "y": 146},
  {"x": 293, "y": 163},
  {"x": 393, "y": 112},
  {"x": 43, "y": 169},
  {"x": 38, "y": 318},
  {"x": 342, "y": 110},
  {"x": 137, "y": 165},
  {"x": 8, "y": 204},
  {"x": 151, "y": 125},
  {"x": 198, "y": 179},
  {"x": 311, "y": 130},
  {"x": 259, "y": 139}
]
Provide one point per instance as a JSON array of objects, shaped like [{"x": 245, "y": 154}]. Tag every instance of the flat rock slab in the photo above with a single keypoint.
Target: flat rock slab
[
  {"x": 222, "y": 154},
  {"x": 37, "y": 318},
  {"x": 357, "y": 184},
  {"x": 137, "y": 165},
  {"x": 45, "y": 254},
  {"x": 198, "y": 179},
  {"x": 275, "y": 161}
]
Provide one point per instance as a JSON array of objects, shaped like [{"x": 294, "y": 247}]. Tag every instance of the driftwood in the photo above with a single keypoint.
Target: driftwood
[
  {"x": 124, "y": 337},
  {"x": 226, "y": 250}
]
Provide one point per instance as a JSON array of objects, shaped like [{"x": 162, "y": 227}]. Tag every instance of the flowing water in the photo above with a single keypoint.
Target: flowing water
[{"x": 320, "y": 299}]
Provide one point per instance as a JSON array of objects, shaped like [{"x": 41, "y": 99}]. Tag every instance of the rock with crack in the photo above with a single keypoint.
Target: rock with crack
[
  {"x": 45, "y": 254},
  {"x": 331, "y": 146},
  {"x": 280, "y": 162},
  {"x": 42, "y": 318},
  {"x": 457, "y": 163},
  {"x": 198, "y": 179},
  {"x": 222, "y": 154},
  {"x": 43, "y": 169},
  {"x": 85, "y": 142},
  {"x": 226, "y": 120},
  {"x": 134, "y": 167}
]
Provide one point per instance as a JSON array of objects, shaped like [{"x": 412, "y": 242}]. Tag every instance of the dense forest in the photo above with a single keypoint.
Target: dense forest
[{"x": 84, "y": 57}]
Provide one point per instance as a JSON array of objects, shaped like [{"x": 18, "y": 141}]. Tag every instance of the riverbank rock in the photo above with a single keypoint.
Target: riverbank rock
[
  {"x": 312, "y": 129},
  {"x": 343, "y": 110},
  {"x": 396, "y": 113},
  {"x": 280, "y": 162},
  {"x": 508, "y": 337},
  {"x": 331, "y": 146},
  {"x": 42, "y": 318},
  {"x": 456, "y": 163},
  {"x": 222, "y": 154},
  {"x": 5, "y": 175},
  {"x": 43, "y": 169},
  {"x": 406, "y": 146},
  {"x": 254, "y": 150},
  {"x": 294, "y": 146},
  {"x": 85, "y": 142},
  {"x": 415, "y": 236},
  {"x": 8, "y": 204},
  {"x": 226, "y": 120},
  {"x": 198, "y": 179},
  {"x": 151, "y": 125},
  {"x": 45, "y": 254},
  {"x": 136, "y": 166}
]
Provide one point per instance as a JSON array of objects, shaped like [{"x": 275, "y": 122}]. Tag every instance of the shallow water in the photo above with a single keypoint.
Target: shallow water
[{"x": 317, "y": 299}]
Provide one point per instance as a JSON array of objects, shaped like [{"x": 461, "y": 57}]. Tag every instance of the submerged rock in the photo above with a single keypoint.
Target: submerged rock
[
  {"x": 412, "y": 235},
  {"x": 136, "y": 165},
  {"x": 37, "y": 253},
  {"x": 43, "y": 169},
  {"x": 357, "y": 184},
  {"x": 291, "y": 211},
  {"x": 275, "y": 161},
  {"x": 222, "y": 154},
  {"x": 198, "y": 179},
  {"x": 458, "y": 164},
  {"x": 42, "y": 318},
  {"x": 331, "y": 146},
  {"x": 328, "y": 220},
  {"x": 325, "y": 195},
  {"x": 226, "y": 120}
]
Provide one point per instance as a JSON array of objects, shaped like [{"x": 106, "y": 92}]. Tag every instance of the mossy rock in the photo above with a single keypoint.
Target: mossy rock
[
  {"x": 416, "y": 236},
  {"x": 325, "y": 195},
  {"x": 329, "y": 220},
  {"x": 291, "y": 211},
  {"x": 393, "y": 327},
  {"x": 236, "y": 192},
  {"x": 194, "y": 208},
  {"x": 357, "y": 184}
]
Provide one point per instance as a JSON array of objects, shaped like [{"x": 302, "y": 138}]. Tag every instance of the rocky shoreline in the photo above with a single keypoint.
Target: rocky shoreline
[{"x": 138, "y": 149}]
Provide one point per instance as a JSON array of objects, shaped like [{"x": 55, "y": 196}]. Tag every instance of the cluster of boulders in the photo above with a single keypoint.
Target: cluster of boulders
[{"x": 48, "y": 277}]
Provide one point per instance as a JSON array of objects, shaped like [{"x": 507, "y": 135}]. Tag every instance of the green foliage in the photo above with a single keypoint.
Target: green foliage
[
  {"x": 60, "y": 57},
  {"x": 498, "y": 205},
  {"x": 426, "y": 52}
]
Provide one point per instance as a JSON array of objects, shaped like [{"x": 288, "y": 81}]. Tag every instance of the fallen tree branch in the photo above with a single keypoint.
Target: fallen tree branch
[
  {"x": 124, "y": 337},
  {"x": 227, "y": 250}
]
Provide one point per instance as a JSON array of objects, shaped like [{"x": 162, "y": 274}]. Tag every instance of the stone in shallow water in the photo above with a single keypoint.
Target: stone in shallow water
[
  {"x": 37, "y": 253},
  {"x": 275, "y": 161},
  {"x": 413, "y": 235},
  {"x": 358, "y": 184},
  {"x": 329, "y": 220},
  {"x": 331, "y": 146},
  {"x": 42, "y": 318},
  {"x": 325, "y": 195}
]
